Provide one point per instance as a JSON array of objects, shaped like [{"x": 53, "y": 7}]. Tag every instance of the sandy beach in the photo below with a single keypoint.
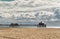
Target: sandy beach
[{"x": 29, "y": 33}]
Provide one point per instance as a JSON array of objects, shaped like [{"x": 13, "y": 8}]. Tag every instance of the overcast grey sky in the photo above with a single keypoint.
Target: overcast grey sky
[{"x": 30, "y": 11}]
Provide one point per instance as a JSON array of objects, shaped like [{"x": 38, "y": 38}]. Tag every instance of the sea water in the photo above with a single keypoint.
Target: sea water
[{"x": 29, "y": 27}]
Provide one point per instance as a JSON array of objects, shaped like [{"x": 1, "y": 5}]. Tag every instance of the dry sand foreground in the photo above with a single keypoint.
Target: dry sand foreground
[{"x": 29, "y": 33}]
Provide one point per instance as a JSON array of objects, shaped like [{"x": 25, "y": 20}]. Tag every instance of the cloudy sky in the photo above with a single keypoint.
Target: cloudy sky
[{"x": 18, "y": 11}]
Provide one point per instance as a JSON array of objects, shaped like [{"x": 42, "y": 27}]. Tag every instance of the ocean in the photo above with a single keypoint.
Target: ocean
[{"x": 29, "y": 27}]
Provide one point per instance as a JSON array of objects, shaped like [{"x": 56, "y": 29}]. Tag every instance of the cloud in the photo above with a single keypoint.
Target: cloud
[
  {"x": 7, "y": 0},
  {"x": 31, "y": 10}
]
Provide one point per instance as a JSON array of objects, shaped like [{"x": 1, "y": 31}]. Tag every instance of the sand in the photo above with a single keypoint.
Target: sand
[{"x": 29, "y": 33}]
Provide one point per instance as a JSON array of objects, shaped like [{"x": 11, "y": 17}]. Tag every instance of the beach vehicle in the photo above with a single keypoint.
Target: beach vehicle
[
  {"x": 13, "y": 25},
  {"x": 41, "y": 24}
]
